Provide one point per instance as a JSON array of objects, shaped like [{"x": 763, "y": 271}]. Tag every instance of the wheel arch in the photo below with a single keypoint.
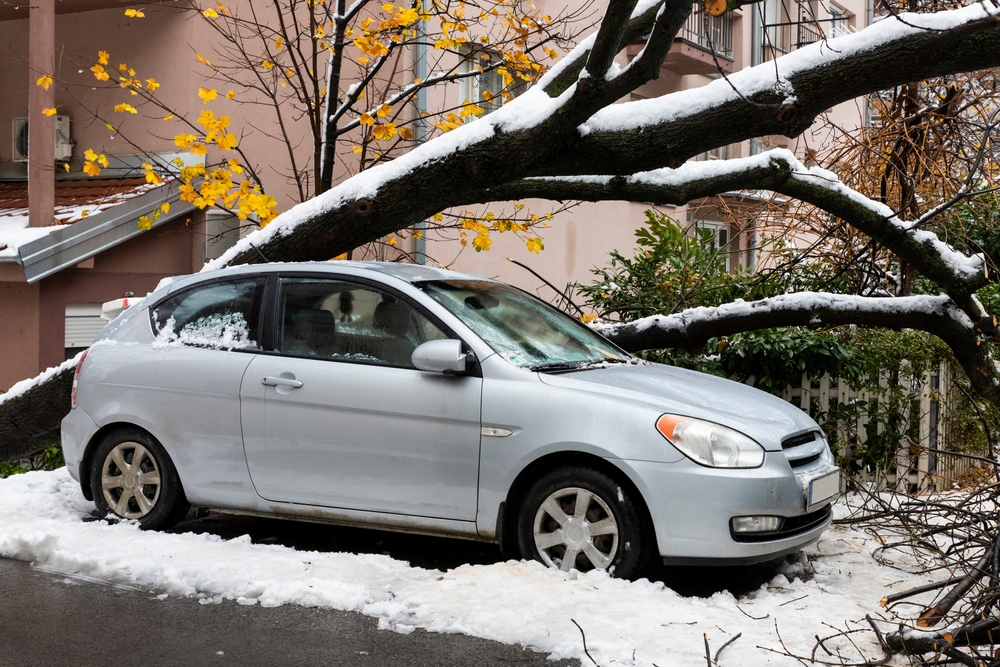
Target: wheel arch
[
  {"x": 95, "y": 440},
  {"x": 507, "y": 523}
]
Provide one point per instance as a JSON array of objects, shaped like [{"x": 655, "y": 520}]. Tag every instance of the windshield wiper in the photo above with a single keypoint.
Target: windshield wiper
[{"x": 577, "y": 365}]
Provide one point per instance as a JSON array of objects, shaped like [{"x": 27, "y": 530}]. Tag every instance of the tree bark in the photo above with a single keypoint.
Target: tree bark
[{"x": 30, "y": 421}]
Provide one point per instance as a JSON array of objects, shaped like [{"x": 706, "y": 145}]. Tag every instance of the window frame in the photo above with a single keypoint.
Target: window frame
[
  {"x": 257, "y": 310},
  {"x": 271, "y": 317}
]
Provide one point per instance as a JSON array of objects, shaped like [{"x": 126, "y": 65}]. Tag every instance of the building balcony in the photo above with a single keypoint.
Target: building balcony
[{"x": 703, "y": 46}]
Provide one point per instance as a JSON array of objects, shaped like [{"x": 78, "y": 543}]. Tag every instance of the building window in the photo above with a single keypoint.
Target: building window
[
  {"x": 720, "y": 239},
  {"x": 718, "y": 153},
  {"x": 838, "y": 22},
  {"x": 487, "y": 89},
  {"x": 484, "y": 89}
]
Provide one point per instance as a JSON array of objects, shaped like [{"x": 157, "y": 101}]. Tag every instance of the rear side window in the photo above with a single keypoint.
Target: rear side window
[{"x": 223, "y": 315}]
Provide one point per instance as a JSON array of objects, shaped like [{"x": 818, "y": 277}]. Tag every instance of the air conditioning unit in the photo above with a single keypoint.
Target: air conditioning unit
[{"x": 19, "y": 139}]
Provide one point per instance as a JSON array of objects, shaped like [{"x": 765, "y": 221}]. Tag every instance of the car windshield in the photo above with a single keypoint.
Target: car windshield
[{"x": 524, "y": 330}]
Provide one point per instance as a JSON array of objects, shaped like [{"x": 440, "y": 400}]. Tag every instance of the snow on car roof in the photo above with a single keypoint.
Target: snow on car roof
[{"x": 409, "y": 272}]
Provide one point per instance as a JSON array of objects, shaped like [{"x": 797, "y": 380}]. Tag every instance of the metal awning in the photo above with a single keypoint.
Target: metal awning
[{"x": 74, "y": 243}]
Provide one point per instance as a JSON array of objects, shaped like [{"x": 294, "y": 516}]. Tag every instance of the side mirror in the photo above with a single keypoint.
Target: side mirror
[{"x": 440, "y": 356}]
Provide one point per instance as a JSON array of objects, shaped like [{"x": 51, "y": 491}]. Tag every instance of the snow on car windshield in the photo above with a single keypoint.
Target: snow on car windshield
[{"x": 522, "y": 329}]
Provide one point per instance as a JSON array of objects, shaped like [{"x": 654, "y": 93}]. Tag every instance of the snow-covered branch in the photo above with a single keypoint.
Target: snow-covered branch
[
  {"x": 779, "y": 171},
  {"x": 937, "y": 315},
  {"x": 548, "y": 132}
]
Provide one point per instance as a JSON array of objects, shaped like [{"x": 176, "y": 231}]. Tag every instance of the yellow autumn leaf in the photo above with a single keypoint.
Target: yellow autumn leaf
[
  {"x": 357, "y": 149},
  {"x": 535, "y": 245},
  {"x": 388, "y": 8},
  {"x": 90, "y": 155},
  {"x": 135, "y": 13},
  {"x": 267, "y": 64},
  {"x": 202, "y": 59},
  {"x": 278, "y": 43},
  {"x": 144, "y": 224},
  {"x": 66, "y": 167},
  {"x": 152, "y": 85},
  {"x": 99, "y": 73},
  {"x": 169, "y": 116},
  {"x": 392, "y": 240},
  {"x": 125, "y": 107},
  {"x": 384, "y": 111},
  {"x": 482, "y": 242},
  {"x": 45, "y": 81},
  {"x": 102, "y": 159},
  {"x": 235, "y": 166},
  {"x": 165, "y": 207},
  {"x": 231, "y": 95},
  {"x": 207, "y": 94},
  {"x": 91, "y": 169},
  {"x": 102, "y": 57},
  {"x": 211, "y": 13},
  {"x": 227, "y": 142},
  {"x": 51, "y": 111},
  {"x": 406, "y": 133},
  {"x": 366, "y": 119}
]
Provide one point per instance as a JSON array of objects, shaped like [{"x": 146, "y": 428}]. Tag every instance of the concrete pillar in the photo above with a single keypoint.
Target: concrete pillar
[{"x": 41, "y": 128}]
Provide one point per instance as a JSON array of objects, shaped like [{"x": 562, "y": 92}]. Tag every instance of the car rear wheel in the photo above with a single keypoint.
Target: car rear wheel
[
  {"x": 131, "y": 477},
  {"x": 580, "y": 518}
]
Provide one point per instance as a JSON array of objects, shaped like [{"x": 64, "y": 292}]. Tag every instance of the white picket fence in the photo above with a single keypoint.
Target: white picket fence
[{"x": 923, "y": 463}]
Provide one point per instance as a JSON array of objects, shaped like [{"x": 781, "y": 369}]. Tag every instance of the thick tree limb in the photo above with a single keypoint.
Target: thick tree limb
[
  {"x": 937, "y": 315},
  {"x": 778, "y": 171},
  {"x": 529, "y": 136},
  {"x": 30, "y": 414}
]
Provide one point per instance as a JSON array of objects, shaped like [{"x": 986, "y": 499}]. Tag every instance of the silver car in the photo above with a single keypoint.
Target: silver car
[{"x": 408, "y": 398}]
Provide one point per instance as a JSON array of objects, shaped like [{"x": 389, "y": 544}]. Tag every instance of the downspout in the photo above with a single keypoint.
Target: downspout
[{"x": 420, "y": 128}]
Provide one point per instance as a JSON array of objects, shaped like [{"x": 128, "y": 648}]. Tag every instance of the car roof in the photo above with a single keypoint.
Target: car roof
[{"x": 410, "y": 273}]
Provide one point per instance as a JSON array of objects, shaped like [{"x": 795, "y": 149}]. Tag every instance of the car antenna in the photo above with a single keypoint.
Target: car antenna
[{"x": 259, "y": 252}]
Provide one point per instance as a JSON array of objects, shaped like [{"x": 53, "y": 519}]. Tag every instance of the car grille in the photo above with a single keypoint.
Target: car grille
[
  {"x": 800, "y": 439},
  {"x": 798, "y": 463},
  {"x": 790, "y": 526}
]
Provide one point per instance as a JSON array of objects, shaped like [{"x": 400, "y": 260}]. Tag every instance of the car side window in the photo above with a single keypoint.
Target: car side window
[
  {"x": 222, "y": 315},
  {"x": 344, "y": 321}
]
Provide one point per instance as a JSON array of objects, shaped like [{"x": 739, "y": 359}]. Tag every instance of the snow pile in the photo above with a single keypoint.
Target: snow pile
[{"x": 516, "y": 602}]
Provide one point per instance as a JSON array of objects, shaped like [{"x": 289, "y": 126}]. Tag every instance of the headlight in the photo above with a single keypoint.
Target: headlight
[{"x": 710, "y": 444}]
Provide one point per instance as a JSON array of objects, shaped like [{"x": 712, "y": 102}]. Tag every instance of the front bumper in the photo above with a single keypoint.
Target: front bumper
[{"x": 691, "y": 508}]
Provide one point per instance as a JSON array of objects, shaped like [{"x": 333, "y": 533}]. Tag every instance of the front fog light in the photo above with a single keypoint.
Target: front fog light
[{"x": 756, "y": 524}]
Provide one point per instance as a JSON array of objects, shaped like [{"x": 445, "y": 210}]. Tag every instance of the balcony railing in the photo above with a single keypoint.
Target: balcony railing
[{"x": 712, "y": 33}]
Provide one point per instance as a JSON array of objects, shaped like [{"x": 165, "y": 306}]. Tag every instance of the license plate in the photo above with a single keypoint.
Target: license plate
[{"x": 823, "y": 488}]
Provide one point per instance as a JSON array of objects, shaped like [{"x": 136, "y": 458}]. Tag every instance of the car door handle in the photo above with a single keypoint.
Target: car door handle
[{"x": 271, "y": 381}]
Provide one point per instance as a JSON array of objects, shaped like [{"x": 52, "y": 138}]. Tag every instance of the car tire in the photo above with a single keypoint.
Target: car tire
[
  {"x": 147, "y": 490},
  {"x": 610, "y": 532}
]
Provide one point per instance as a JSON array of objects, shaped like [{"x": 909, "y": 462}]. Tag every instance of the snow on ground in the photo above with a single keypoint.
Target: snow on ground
[{"x": 515, "y": 602}]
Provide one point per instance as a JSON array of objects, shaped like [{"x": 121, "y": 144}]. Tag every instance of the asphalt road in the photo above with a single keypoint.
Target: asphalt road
[{"x": 51, "y": 619}]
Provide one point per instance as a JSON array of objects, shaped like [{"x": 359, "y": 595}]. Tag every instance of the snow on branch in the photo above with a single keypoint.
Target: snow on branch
[
  {"x": 779, "y": 171},
  {"x": 937, "y": 315},
  {"x": 558, "y": 128}
]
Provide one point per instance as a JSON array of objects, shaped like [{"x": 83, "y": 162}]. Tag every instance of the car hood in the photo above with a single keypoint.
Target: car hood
[{"x": 765, "y": 418}]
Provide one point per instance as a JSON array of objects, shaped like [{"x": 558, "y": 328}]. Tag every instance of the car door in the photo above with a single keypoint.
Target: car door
[
  {"x": 337, "y": 416},
  {"x": 185, "y": 385}
]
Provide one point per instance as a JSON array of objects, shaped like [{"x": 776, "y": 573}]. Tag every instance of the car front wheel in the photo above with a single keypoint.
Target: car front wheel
[
  {"x": 131, "y": 477},
  {"x": 580, "y": 518}
]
